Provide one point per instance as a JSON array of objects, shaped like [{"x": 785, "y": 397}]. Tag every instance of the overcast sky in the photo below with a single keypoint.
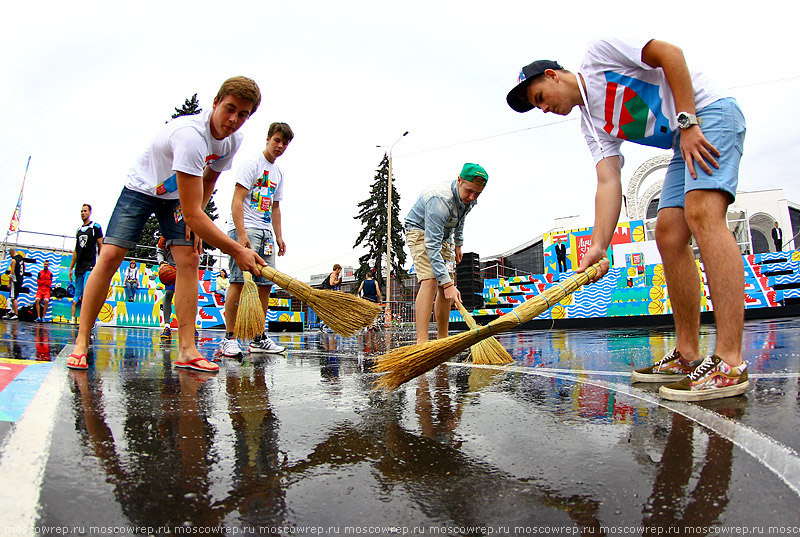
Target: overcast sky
[{"x": 85, "y": 85}]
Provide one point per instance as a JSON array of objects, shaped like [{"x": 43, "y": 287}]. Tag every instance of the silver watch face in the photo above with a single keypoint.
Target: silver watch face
[{"x": 683, "y": 120}]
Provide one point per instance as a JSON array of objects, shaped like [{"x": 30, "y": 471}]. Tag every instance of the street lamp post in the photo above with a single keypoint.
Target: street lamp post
[{"x": 388, "y": 315}]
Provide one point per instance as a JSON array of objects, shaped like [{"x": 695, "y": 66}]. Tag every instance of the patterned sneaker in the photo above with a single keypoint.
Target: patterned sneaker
[
  {"x": 265, "y": 344},
  {"x": 230, "y": 348},
  {"x": 669, "y": 369},
  {"x": 713, "y": 379},
  {"x": 167, "y": 333}
]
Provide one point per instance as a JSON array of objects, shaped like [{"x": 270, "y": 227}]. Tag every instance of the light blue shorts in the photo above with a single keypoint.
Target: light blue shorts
[
  {"x": 80, "y": 283},
  {"x": 263, "y": 243},
  {"x": 723, "y": 126}
]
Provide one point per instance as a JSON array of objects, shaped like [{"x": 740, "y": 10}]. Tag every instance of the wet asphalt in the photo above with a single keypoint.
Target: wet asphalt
[{"x": 300, "y": 443}]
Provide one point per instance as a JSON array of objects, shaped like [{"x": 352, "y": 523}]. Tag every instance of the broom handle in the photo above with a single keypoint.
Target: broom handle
[
  {"x": 469, "y": 319},
  {"x": 280, "y": 278},
  {"x": 536, "y": 306}
]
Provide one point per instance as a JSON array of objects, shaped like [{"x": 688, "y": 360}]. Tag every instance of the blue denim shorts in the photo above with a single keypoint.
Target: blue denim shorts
[
  {"x": 723, "y": 126},
  {"x": 132, "y": 211},
  {"x": 263, "y": 243}
]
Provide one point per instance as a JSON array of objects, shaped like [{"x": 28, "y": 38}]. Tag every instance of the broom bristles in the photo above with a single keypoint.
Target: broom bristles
[
  {"x": 250, "y": 315},
  {"x": 344, "y": 313},
  {"x": 405, "y": 363},
  {"x": 489, "y": 351},
  {"x": 411, "y": 361}
]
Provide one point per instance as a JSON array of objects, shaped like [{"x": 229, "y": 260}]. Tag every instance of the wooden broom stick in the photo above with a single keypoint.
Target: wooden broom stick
[
  {"x": 250, "y": 315},
  {"x": 344, "y": 313},
  {"x": 489, "y": 351},
  {"x": 405, "y": 363}
]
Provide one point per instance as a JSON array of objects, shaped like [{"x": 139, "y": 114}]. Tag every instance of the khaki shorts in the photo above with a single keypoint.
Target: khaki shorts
[{"x": 415, "y": 239}]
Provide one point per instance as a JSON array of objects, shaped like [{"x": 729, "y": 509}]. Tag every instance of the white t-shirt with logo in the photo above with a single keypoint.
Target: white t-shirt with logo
[
  {"x": 185, "y": 145},
  {"x": 630, "y": 100},
  {"x": 264, "y": 183}
]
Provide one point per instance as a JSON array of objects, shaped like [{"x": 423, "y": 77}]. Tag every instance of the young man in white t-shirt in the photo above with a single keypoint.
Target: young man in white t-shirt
[
  {"x": 256, "y": 223},
  {"x": 174, "y": 178},
  {"x": 644, "y": 92}
]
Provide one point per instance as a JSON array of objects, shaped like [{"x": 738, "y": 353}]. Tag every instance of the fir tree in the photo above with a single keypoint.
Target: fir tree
[
  {"x": 146, "y": 246},
  {"x": 372, "y": 213},
  {"x": 190, "y": 107}
]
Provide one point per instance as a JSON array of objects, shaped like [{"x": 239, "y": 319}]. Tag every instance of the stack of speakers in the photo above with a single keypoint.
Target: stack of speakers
[{"x": 469, "y": 281}]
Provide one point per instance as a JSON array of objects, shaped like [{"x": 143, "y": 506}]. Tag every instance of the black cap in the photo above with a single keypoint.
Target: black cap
[{"x": 517, "y": 98}]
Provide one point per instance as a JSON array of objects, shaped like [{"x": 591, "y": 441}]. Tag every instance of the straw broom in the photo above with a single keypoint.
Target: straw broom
[
  {"x": 406, "y": 363},
  {"x": 250, "y": 315},
  {"x": 489, "y": 351},
  {"x": 344, "y": 313}
]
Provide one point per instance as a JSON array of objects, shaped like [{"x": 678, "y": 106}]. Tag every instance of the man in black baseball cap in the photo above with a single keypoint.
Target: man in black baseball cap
[
  {"x": 643, "y": 91},
  {"x": 517, "y": 98}
]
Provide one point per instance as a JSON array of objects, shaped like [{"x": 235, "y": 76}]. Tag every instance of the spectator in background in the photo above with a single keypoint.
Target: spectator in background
[
  {"x": 222, "y": 284},
  {"x": 164, "y": 257},
  {"x": 334, "y": 279},
  {"x": 369, "y": 289},
  {"x": 131, "y": 280},
  {"x": 44, "y": 281},
  {"x": 88, "y": 243},
  {"x": 561, "y": 256},
  {"x": 17, "y": 271},
  {"x": 777, "y": 237}
]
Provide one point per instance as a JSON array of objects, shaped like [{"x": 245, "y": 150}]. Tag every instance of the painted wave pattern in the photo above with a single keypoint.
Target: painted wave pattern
[
  {"x": 592, "y": 300},
  {"x": 620, "y": 294}
]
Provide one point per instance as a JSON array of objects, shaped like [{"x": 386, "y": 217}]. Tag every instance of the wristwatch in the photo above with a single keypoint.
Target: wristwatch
[{"x": 686, "y": 120}]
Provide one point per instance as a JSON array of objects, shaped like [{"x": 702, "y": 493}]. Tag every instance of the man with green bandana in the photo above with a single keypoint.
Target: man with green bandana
[{"x": 434, "y": 235}]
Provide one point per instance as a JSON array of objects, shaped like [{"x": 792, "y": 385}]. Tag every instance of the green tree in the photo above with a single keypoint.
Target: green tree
[
  {"x": 190, "y": 107},
  {"x": 372, "y": 213},
  {"x": 146, "y": 246}
]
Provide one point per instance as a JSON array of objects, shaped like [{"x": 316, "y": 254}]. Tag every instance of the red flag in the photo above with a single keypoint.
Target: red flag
[{"x": 13, "y": 227}]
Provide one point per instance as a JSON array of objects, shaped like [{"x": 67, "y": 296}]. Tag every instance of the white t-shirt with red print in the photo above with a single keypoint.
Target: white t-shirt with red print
[
  {"x": 185, "y": 145},
  {"x": 630, "y": 100},
  {"x": 264, "y": 183}
]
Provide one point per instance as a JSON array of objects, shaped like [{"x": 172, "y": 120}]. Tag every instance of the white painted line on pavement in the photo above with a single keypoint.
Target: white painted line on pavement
[
  {"x": 24, "y": 455},
  {"x": 782, "y": 460}
]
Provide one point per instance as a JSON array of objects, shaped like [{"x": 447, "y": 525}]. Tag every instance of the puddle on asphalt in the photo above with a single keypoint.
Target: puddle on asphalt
[{"x": 302, "y": 440}]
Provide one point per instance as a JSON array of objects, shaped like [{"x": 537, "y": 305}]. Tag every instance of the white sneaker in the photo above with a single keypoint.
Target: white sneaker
[
  {"x": 266, "y": 345},
  {"x": 230, "y": 347}
]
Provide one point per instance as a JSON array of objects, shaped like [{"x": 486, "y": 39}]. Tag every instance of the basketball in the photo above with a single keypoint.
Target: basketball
[
  {"x": 166, "y": 273},
  {"x": 656, "y": 307},
  {"x": 106, "y": 314}
]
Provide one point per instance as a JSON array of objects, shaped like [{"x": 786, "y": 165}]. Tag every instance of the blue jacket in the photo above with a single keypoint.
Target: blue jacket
[{"x": 440, "y": 213}]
